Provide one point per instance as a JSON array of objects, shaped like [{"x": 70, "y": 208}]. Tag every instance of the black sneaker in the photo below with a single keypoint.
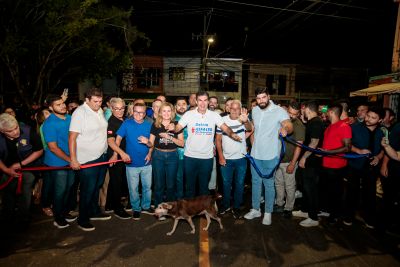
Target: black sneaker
[
  {"x": 108, "y": 210},
  {"x": 236, "y": 214},
  {"x": 136, "y": 215},
  {"x": 128, "y": 207},
  {"x": 60, "y": 223},
  {"x": 149, "y": 211},
  {"x": 70, "y": 218},
  {"x": 87, "y": 227},
  {"x": 287, "y": 214},
  {"x": 224, "y": 211},
  {"x": 100, "y": 217},
  {"x": 278, "y": 209},
  {"x": 123, "y": 215}
]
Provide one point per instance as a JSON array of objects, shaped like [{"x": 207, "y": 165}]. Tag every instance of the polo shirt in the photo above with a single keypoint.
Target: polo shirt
[
  {"x": 91, "y": 127},
  {"x": 267, "y": 123},
  {"x": 201, "y": 130},
  {"x": 131, "y": 131},
  {"x": 333, "y": 137},
  {"x": 56, "y": 130}
]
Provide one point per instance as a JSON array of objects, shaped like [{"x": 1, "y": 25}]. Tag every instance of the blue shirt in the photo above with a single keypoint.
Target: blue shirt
[
  {"x": 56, "y": 130},
  {"x": 131, "y": 130}
]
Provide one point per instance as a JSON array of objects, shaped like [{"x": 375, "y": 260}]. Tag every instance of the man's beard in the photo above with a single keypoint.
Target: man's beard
[
  {"x": 59, "y": 113},
  {"x": 263, "y": 105},
  {"x": 180, "y": 113}
]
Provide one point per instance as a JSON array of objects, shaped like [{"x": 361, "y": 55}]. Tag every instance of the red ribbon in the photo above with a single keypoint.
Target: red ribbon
[{"x": 47, "y": 168}]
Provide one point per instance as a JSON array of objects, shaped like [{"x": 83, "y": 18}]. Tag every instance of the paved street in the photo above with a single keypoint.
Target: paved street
[{"x": 241, "y": 243}]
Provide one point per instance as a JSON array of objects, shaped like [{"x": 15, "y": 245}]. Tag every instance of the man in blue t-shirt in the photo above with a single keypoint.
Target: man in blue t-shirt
[
  {"x": 136, "y": 132},
  {"x": 55, "y": 131}
]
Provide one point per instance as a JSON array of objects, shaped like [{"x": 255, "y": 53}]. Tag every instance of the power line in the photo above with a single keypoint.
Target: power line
[{"x": 288, "y": 10}]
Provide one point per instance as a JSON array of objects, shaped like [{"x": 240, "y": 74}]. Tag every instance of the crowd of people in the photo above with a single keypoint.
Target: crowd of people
[{"x": 170, "y": 151}]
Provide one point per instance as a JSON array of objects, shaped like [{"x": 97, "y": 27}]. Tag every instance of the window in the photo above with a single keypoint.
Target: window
[
  {"x": 176, "y": 73},
  {"x": 222, "y": 80},
  {"x": 148, "y": 78},
  {"x": 276, "y": 84}
]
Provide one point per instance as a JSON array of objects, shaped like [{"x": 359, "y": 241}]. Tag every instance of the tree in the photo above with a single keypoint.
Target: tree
[{"x": 46, "y": 42}]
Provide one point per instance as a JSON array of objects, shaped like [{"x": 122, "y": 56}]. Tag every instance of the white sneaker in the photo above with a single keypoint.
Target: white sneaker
[
  {"x": 252, "y": 214},
  {"x": 299, "y": 213},
  {"x": 323, "y": 214},
  {"x": 267, "y": 219},
  {"x": 309, "y": 223}
]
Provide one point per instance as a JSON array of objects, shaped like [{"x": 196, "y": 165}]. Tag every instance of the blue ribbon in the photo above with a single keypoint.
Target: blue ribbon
[
  {"x": 325, "y": 153},
  {"x": 268, "y": 175},
  {"x": 316, "y": 151}
]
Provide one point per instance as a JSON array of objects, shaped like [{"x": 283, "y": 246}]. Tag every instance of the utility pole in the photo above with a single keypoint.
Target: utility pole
[{"x": 396, "y": 45}]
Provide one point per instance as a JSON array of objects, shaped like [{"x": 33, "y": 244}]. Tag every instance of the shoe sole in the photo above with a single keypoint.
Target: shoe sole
[
  {"x": 100, "y": 219},
  {"x": 347, "y": 223},
  {"x": 309, "y": 225},
  {"x": 122, "y": 217},
  {"x": 148, "y": 213},
  {"x": 136, "y": 219},
  {"x": 247, "y": 218},
  {"x": 86, "y": 229},
  {"x": 71, "y": 220},
  {"x": 108, "y": 211},
  {"x": 60, "y": 226}
]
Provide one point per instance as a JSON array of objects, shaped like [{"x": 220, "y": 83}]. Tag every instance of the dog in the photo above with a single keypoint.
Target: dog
[{"x": 187, "y": 208}]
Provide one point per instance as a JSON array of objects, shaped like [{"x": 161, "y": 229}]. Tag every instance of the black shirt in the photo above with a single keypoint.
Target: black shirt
[
  {"x": 113, "y": 125},
  {"x": 314, "y": 130},
  {"x": 13, "y": 156},
  {"x": 163, "y": 143}
]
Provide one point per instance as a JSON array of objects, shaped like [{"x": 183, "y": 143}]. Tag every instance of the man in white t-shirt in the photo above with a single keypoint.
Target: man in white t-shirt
[
  {"x": 88, "y": 144},
  {"x": 231, "y": 157},
  {"x": 199, "y": 146},
  {"x": 269, "y": 121}
]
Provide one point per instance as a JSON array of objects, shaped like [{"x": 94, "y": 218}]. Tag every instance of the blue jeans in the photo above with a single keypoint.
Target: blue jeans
[
  {"x": 133, "y": 174},
  {"x": 63, "y": 181},
  {"x": 179, "y": 180},
  {"x": 265, "y": 166},
  {"x": 234, "y": 171},
  {"x": 165, "y": 166},
  {"x": 197, "y": 170},
  {"x": 92, "y": 180}
]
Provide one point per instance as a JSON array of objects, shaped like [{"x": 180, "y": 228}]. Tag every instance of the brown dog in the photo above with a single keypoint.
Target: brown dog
[{"x": 187, "y": 208}]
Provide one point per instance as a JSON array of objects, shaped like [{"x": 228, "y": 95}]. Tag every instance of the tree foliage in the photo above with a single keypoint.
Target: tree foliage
[{"x": 45, "y": 42}]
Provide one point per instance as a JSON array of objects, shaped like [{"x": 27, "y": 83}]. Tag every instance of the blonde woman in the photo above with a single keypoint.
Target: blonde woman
[{"x": 165, "y": 155}]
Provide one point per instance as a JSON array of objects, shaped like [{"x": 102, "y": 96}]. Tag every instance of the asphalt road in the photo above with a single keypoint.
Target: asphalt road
[{"x": 241, "y": 243}]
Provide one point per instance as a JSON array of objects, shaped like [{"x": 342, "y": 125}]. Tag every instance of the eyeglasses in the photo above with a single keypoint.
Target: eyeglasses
[
  {"x": 118, "y": 109},
  {"x": 140, "y": 113}
]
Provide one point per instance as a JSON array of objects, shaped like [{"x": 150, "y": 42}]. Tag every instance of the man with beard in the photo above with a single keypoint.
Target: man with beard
[
  {"x": 310, "y": 165},
  {"x": 366, "y": 139},
  {"x": 213, "y": 105},
  {"x": 180, "y": 109},
  {"x": 55, "y": 132},
  {"x": 269, "y": 120},
  {"x": 337, "y": 140},
  {"x": 285, "y": 180}
]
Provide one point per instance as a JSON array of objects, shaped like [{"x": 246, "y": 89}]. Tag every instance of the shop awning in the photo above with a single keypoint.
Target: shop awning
[{"x": 387, "y": 88}]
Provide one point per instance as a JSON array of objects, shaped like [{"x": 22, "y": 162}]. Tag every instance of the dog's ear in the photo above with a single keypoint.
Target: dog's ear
[{"x": 167, "y": 206}]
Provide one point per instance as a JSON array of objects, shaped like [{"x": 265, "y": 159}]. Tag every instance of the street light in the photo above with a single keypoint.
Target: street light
[{"x": 209, "y": 41}]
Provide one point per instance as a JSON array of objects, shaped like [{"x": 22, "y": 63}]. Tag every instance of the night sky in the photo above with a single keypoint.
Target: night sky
[{"x": 341, "y": 33}]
